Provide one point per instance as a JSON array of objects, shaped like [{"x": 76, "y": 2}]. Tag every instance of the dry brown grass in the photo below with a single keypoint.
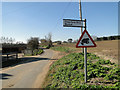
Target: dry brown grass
[{"x": 104, "y": 49}]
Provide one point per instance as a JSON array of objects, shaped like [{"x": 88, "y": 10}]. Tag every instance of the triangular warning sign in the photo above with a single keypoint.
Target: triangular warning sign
[{"x": 85, "y": 41}]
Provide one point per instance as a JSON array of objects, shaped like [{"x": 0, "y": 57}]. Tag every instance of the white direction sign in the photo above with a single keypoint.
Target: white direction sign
[
  {"x": 72, "y": 23},
  {"x": 85, "y": 40}
]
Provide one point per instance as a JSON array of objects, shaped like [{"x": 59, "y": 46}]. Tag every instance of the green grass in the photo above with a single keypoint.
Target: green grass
[
  {"x": 36, "y": 52},
  {"x": 44, "y": 46},
  {"x": 68, "y": 72},
  {"x": 63, "y": 49}
]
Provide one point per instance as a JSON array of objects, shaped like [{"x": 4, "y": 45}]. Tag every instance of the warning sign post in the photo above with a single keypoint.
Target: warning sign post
[{"x": 84, "y": 42}]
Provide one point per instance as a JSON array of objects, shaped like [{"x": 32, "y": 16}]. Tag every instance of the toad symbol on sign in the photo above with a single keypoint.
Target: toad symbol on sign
[{"x": 85, "y": 40}]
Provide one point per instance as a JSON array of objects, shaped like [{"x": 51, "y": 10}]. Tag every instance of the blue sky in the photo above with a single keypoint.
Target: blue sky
[{"x": 22, "y": 20}]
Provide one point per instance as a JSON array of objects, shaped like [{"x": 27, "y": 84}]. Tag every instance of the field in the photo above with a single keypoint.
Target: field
[{"x": 104, "y": 49}]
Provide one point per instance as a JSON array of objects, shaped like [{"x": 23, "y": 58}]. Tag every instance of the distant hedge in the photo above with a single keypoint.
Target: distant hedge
[{"x": 108, "y": 38}]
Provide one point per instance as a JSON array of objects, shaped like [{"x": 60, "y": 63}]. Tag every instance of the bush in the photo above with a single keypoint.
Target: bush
[{"x": 40, "y": 51}]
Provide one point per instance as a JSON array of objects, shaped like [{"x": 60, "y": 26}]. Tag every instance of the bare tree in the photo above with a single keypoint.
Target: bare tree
[
  {"x": 48, "y": 38},
  {"x": 11, "y": 40},
  {"x": 2, "y": 39},
  {"x": 7, "y": 40}
]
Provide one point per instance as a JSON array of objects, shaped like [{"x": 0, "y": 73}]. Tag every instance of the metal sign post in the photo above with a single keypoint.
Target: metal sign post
[
  {"x": 84, "y": 42},
  {"x": 85, "y": 59},
  {"x": 85, "y": 63}
]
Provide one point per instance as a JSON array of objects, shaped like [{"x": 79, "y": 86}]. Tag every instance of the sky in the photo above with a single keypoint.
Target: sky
[{"x": 22, "y": 20}]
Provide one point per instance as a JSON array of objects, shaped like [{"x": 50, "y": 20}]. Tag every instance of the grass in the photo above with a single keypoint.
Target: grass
[
  {"x": 36, "y": 52},
  {"x": 45, "y": 46},
  {"x": 68, "y": 72},
  {"x": 63, "y": 49}
]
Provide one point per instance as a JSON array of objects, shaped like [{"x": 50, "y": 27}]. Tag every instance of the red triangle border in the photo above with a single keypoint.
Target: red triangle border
[{"x": 81, "y": 38}]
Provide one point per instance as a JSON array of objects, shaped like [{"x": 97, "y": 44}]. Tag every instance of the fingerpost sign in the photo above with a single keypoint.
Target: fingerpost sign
[{"x": 72, "y": 23}]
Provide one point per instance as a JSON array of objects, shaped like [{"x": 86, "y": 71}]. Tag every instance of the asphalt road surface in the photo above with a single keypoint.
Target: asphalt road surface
[{"x": 25, "y": 75}]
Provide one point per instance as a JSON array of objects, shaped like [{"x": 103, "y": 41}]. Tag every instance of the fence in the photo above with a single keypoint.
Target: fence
[{"x": 8, "y": 56}]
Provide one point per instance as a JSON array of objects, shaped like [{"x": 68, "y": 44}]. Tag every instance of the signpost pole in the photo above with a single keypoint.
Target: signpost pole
[{"x": 85, "y": 63}]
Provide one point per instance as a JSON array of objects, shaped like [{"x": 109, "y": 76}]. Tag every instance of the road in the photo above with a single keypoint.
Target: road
[{"x": 27, "y": 74}]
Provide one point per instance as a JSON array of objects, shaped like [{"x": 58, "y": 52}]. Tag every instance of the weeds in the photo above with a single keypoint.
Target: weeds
[
  {"x": 69, "y": 72},
  {"x": 62, "y": 49}
]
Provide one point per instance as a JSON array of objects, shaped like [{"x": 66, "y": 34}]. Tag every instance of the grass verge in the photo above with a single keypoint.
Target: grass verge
[
  {"x": 63, "y": 49},
  {"x": 68, "y": 72}
]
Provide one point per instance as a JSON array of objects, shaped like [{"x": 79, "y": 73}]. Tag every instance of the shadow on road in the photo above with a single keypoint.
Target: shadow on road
[
  {"x": 4, "y": 76},
  {"x": 32, "y": 59},
  {"x": 14, "y": 62}
]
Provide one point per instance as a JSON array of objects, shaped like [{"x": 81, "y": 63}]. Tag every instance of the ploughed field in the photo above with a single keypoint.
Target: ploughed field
[{"x": 104, "y": 49}]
